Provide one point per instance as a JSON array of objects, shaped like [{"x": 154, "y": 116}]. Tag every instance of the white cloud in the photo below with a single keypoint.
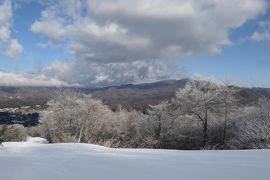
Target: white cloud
[
  {"x": 81, "y": 73},
  {"x": 260, "y": 36},
  {"x": 9, "y": 45},
  {"x": 102, "y": 74},
  {"x": 50, "y": 26},
  {"x": 6, "y": 12},
  {"x": 14, "y": 48},
  {"x": 4, "y": 33},
  {"x": 5, "y": 18},
  {"x": 29, "y": 79},
  {"x": 263, "y": 32},
  {"x": 208, "y": 77},
  {"x": 113, "y": 30},
  {"x": 118, "y": 41}
]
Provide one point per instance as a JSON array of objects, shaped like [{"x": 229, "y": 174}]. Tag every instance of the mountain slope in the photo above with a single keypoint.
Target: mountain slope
[
  {"x": 130, "y": 96},
  {"x": 137, "y": 96}
]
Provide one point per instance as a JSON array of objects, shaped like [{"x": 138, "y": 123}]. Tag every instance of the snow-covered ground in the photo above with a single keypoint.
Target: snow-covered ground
[{"x": 36, "y": 160}]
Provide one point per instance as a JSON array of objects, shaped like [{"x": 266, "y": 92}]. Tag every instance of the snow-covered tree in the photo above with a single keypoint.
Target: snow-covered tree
[
  {"x": 159, "y": 126},
  {"x": 158, "y": 114},
  {"x": 198, "y": 99},
  {"x": 71, "y": 117},
  {"x": 228, "y": 104},
  {"x": 129, "y": 125},
  {"x": 252, "y": 126}
]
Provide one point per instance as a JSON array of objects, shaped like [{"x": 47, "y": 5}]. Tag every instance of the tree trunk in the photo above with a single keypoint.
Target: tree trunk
[
  {"x": 81, "y": 131},
  {"x": 205, "y": 128},
  {"x": 158, "y": 129},
  {"x": 225, "y": 124}
]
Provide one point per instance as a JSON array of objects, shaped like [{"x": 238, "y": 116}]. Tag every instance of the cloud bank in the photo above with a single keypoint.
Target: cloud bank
[
  {"x": 9, "y": 46},
  {"x": 127, "y": 41}
]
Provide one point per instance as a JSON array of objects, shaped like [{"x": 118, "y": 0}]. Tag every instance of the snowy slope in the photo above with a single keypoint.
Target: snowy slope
[{"x": 35, "y": 160}]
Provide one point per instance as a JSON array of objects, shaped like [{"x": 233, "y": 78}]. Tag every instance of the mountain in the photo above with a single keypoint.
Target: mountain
[
  {"x": 24, "y": 96},
  {"x": 137, "y": 96}
]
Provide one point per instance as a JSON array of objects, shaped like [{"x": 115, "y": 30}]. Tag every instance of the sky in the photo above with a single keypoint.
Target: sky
[{"x": 110, "y": 42}]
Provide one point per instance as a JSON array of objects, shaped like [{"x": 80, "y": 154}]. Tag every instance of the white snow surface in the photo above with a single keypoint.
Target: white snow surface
[
  {"x": 35, "y": 160},
  {"x": 37, "y": 140}
]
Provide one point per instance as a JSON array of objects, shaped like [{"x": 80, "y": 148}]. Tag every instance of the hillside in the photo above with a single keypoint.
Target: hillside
[
  {"x": 84, "y": 162},
  {"x": 129, "y": 96},
  {"x": 137, "y": 96}
]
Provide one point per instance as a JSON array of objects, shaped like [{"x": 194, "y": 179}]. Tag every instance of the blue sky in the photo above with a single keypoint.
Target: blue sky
[
  {"x": 32, "y": 56},
  {"x": 82, "y": 43},
  {"x": 243, "y": 63}
]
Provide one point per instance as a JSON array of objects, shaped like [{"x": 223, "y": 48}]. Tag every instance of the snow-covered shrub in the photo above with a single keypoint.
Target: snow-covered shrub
[
  {"x": 15, "y": 133},
  {"x": 34, "y": 131},
  {"x": 251, "y": 128},
  {"x": 3, "y": 129}
]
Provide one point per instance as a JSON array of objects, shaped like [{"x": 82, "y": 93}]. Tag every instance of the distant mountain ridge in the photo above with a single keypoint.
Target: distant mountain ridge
[{"x": 137, "y": 96}]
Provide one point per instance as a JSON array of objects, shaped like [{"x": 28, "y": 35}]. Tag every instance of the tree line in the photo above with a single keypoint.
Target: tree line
[{"x": 202, "y": 115}]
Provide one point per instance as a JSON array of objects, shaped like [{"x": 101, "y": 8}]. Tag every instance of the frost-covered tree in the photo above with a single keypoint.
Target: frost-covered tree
[
  {"x": 129, "y": 127},
  {"x": 198, "y": 99},
  {"x": 71, "y": 117},
  {"x": 34, "y": 131},
  {"x": 159, "y": 116},
  {"x": 96, "y": 123},
  {"x": 228, "y": 104},
  {"x": 59, "y": 118},
  {"x": 159, "y": 126},
  {"x": 251, "y": 128}
]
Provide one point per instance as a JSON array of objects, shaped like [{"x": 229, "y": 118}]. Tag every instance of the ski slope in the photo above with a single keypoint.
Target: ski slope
[{"x": 36, "y": 160}]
